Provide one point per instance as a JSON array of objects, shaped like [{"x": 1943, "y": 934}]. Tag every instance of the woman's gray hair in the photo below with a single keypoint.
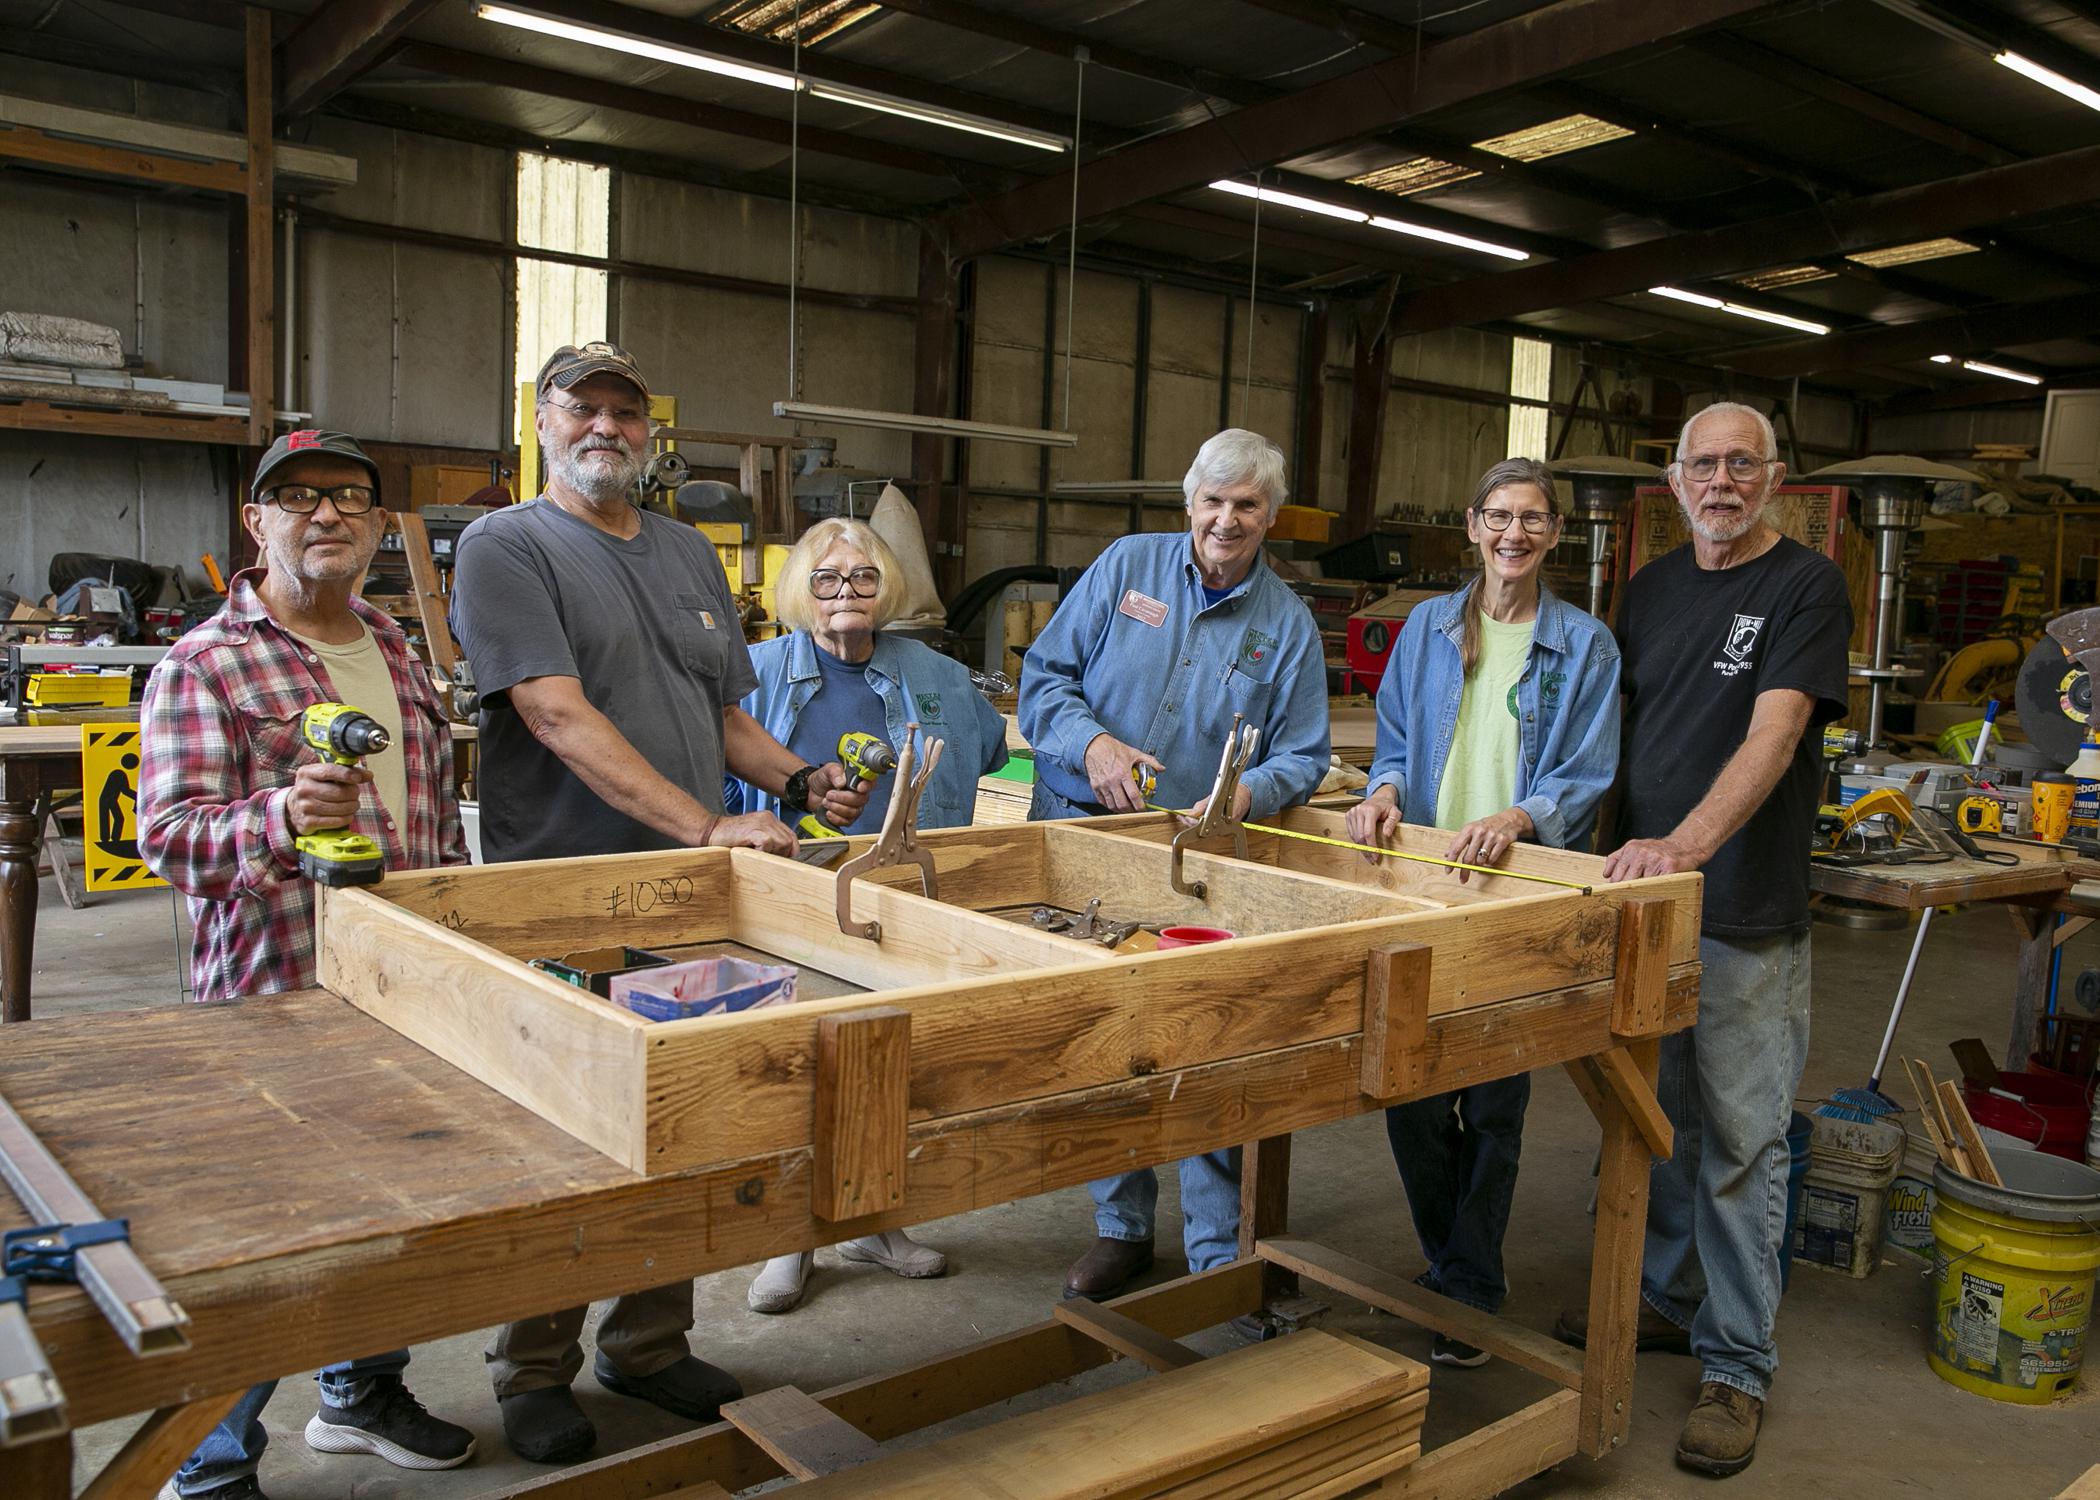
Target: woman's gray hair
[
  {"x": 1237, "y": 456},
  {"x": 1731, "y": 408},
  {"x": 1518, "y": 471},
  {"x": 797, "y": 606}
]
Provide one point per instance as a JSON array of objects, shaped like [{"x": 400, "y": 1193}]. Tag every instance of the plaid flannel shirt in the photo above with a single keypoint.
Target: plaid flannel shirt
[{"x": 220, "y": 741}]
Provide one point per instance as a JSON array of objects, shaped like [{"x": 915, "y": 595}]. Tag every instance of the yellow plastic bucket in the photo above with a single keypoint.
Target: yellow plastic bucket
[{"x": 2013, "y": 1276}]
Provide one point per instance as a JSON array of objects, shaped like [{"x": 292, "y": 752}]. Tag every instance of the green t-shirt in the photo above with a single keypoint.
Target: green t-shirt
[{"x": 1480, "y": 776}]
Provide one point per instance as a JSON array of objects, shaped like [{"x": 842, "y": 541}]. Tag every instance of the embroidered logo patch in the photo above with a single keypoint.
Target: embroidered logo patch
[
  {"x": 1549, "y": 688},
  {"x": 1740, "y": 645},
  {"x": 707, "y": 619},
  {"x": 929, "y": 705},
  {"x": 1256, "y": 647},
  {"x": 306, "y": 437},
  {"x": 1143, "y": 608}
]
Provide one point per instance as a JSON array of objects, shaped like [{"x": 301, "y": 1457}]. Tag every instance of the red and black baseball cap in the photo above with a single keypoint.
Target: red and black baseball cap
[
  {"x": 573, "y": 362},
  {"x": 309, "y": 442}
]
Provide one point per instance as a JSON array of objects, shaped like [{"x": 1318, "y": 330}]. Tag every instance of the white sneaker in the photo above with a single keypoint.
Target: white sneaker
[
  {"x": 896, "y": 1251},
  {"x": 777, "y": 1288}
]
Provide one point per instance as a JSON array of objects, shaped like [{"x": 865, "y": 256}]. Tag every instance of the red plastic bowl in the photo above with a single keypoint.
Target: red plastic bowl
[{"x": 1188, "y": 937}]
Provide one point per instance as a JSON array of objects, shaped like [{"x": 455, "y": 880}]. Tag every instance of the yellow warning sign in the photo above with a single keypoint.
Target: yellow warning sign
[{"x": 109, "y": 824}]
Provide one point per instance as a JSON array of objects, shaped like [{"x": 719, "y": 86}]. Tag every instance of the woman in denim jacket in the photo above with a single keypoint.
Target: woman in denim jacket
[
  {"x": 838, "y": 673},
  {"x": 1498, "y": 718}
]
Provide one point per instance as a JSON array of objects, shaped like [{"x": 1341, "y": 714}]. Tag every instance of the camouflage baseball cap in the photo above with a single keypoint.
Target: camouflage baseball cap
[{"x": 573, "y": 362}]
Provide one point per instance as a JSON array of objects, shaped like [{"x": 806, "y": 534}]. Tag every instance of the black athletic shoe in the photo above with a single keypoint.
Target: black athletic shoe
[
  {"x": 1445, "y": 1350},
  {"x": 392, "y": 1424},
  {"x": 546, "y": 1426},
  {"x": 690, "y": 1388},
  {"x": 244, "y": 1488}
]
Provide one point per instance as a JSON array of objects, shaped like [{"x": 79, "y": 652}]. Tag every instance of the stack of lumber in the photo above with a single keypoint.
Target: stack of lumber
[{"x": 1315, "y": 1414}]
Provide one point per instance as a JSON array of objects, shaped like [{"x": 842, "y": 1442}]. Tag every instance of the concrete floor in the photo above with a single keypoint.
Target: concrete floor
[{"x": 1855, "y": 1410}]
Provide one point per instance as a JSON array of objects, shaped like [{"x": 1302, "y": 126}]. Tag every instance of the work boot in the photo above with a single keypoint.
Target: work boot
[
  {"x": 392, "y": 1424},
  {"x": 1720, "y": 1436},
  {"x": 690, "y": 1388},
  {"x": 1652, "y": 1334},
  {"x": 896, "y": 1251},
  {"x": 1107, "y": 1268},
  {"x": 777, "y": 1288},
  {"x": 546, "y": 1426}
]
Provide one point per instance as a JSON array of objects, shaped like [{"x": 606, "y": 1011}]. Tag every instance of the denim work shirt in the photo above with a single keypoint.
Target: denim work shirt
[
  {"x": 917, "y": 685},
  {"x": 1134, "y": 652},
  {"x": 1567, "y": 716}
]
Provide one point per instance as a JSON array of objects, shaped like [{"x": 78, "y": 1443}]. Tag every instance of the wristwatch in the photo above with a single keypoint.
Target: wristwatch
[{"x": 796, "y": 793}]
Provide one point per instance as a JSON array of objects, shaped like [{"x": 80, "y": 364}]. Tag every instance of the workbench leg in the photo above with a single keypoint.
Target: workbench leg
[
  {"x": 42, "y": 1470},
  {"x": 20, "y": 840},
  {"x": 158, "y": 1449},
  {"x": 2030, "y": 981},
  {"x": 1265, "y": 1207},
  {"x": 1615, "y": 1270}
]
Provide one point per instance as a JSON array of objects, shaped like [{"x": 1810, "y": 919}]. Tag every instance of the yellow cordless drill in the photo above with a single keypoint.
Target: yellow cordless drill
[
  {"x": 866, "y": 757},
  {"x": 343, "y": 736}
]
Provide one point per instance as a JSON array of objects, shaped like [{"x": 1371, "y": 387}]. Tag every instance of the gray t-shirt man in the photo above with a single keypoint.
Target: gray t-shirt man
[{"x": 646, "y": 626}]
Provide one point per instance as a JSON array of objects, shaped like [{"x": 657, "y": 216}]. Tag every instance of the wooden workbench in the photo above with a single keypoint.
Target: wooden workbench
[
  {"x": 38, "y": 761},
  {"x": 2033, "y": 891},
  {"x": 312, "y": 1186}
]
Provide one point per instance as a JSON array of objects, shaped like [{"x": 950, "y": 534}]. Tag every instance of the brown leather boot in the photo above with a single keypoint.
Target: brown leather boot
[
  {"x": 1654, "y": 1333},
  {"x": 1720, "y": 1436},
  {"x": 1107, "y": 1268}
]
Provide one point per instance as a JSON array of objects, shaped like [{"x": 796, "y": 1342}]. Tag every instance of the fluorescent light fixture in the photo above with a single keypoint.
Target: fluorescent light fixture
[
  {"x": 906, "y": 421},
  {"x": 773, "y": 78},
  {"x": 930, "y": 114},
  {"x": 618, "y": 41},
  {"x": 1445, "y": 237},
  {"x": 1911, "y": 254},
  {"x": 1943, "y": 359},
  {"x": 1736, "y": 309},
  {"x": 1288, "y": 200},
  {"x": 2047, "y": 78},
  {"x": 1986, "y": 369}
]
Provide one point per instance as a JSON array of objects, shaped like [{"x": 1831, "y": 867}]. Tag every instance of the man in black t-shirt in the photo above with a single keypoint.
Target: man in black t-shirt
[{"x": 1734, "y": 652}]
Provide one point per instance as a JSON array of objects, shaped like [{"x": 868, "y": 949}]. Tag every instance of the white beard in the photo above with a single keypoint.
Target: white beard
[{"x": 600, "y": 485}]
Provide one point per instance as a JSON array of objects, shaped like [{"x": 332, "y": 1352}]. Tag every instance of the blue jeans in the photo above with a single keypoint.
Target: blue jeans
[
  {"x": 234, "y": 1448},
  {"x": 1717, "y": 1207},
  {"x": 1457, "y": 1155},
  {"x": 1210, "y": 1206}
]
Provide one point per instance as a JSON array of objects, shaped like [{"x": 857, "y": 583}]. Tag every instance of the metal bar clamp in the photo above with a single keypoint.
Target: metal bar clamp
[
  {"x": 1217, "y": 809},
  {"x": 898, "y": 843},
  {"x": 31, "y": 1404}
]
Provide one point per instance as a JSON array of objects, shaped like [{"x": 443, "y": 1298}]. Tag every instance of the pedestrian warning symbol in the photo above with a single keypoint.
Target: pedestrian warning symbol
[{"x": 109, "y": 825}]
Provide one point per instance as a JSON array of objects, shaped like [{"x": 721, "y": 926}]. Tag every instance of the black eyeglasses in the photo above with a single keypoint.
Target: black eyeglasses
[
  {"x": 1534, "y": 521},
  {"x": 829, "y": 583},
  {"x": 305, "y": 499},
  {"x": 1740, "y": 466}
]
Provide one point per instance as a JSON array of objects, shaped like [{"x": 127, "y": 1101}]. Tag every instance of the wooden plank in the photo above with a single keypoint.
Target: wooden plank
[
  {"x": 1265, "y": 1205},
  {"x": 1615, "y": 1070},
  {"x": 921, "y": 1395},
  {"x": 157, "y": 1449},
  {"x": 430, "y": 596},
  {"x": 24, "y": 144},
  {"x": 1396, "y": 1019},
  {"x": 2085, "y": 1487},
  {"x": 492, "y": 1018},
  {"x": 1615, "y": 1273},
  {"x": 863, "y": 1086},
  {"x": 42, "y": 1470},
  {"x": 1491, "y": 1459},
  {"x": 1521, "y": 1346},
  {"x": 802, "y": 1437},
  {"x": 259, "y": 229},
  {"x": 2040, "y": 873},
  {"x": 1125, "y": 1335},
  {"x": 38, "y": 416},
  {"x": 1981, "y": 1167},
  {"x": 1644, "y": 967}
]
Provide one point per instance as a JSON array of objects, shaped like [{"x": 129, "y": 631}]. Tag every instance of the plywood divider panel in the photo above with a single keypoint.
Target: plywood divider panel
[
  {"x": 544, "y": 908},
  {"x": 1133, "y": 875},
  {"x": 792, "y": 910},
  {"x": 567, "y": 1056}
]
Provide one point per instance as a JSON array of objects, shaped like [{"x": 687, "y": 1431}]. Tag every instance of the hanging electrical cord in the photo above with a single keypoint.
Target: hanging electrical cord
[
  {"x": 1253, "y": 282},
  {"x": 1079, "y": 56}
]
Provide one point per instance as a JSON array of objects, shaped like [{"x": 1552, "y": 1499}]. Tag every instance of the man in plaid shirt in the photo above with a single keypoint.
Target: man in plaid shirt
[{"x": 227, "y": 785}]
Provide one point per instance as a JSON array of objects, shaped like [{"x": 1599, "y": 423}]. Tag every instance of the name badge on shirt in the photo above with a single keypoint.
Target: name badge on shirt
[
  {"x": 707, "y": 619},
  {"x": 1143, "y": 608}
]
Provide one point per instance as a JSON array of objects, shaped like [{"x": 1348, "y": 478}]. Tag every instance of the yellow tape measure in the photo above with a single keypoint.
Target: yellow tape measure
[{"x": 1422, "y": 859}]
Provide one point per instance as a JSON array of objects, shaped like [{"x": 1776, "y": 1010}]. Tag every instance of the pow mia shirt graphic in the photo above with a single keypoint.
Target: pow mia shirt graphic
[{"x": 1742, "y": 642}]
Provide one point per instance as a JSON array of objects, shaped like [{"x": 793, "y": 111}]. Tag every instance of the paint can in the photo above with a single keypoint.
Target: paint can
[
  {"x": 1844, "y": 1198},
  {"x": 2013, "y": 1276}
]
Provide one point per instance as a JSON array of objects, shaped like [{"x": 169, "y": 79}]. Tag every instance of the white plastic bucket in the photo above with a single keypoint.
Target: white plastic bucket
[{"x": 1844, "y": 1198}]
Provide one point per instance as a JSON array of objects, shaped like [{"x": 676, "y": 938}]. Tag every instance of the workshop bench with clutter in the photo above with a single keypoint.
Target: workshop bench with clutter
[{"x": 947, "y": 1051}]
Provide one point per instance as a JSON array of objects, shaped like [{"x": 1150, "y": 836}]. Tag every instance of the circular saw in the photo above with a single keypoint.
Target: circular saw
[{"x": 2055, "y": 692}]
